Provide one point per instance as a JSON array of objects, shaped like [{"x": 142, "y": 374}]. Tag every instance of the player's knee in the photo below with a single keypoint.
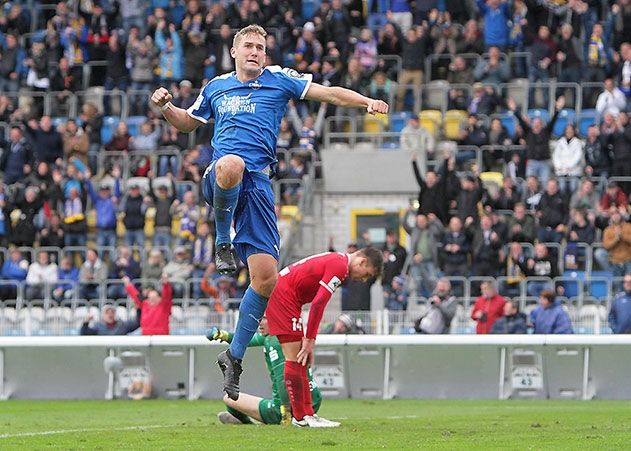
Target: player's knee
[
  {"x": 229, "y": 170},
  {"x": 264, "y": 283}
]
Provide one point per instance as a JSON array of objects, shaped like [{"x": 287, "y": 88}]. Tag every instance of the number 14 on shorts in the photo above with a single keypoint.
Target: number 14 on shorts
[{"x": 296, "y": 324}]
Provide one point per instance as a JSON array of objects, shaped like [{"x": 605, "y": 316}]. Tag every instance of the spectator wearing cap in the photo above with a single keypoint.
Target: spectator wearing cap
[
  {"x": 110, "y": 324},
  {"x": 178, "y": 270},
  {"x": 492, "y": 69},
  {"x": 496, "y": 14},
  {"x": 397, "y": 297},
  {"x": 549, "y": 317},
  {"x": 620, "y": 311},
  {"x": 308, "y": 53},
  {"x": 134, "y": 206},
  {"x": 17, "y": 156},
  {"x": 513, "y": 321},
  {"x": 488, "y": 308},
  {"x": 196, "y": 58},
  {"x": 155, "y": 308},
  {"x": 105, "y": 205},
  {"x": 344, "y": 324},
  {"x": 92, "y": 274}
]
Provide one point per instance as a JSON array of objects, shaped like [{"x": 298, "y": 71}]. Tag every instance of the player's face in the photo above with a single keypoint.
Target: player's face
[
  {"x": 362, "y": 271},
  {"x": 249, "y": 54},
  {"x": 263, "y": 328}
]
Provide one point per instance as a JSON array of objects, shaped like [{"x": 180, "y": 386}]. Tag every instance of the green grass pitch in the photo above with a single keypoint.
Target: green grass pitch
[{"x": 398, "y": 424}]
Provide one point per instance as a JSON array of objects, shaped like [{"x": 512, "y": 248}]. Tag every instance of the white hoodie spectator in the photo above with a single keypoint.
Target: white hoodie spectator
[
  {"x": 611, "y": 100},
  {"x": 568, "y": 159},
  {"x": 39, "y": 274}
]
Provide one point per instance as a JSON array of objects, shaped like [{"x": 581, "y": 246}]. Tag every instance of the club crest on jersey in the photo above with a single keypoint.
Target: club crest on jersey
[
  {"x": 236, "y": 104},
  {"x": 294, "y": 73},
  {"x": 255, "y": 84}
]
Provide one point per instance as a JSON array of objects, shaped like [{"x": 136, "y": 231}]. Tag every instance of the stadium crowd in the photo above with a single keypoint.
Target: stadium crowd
[{"x": 522, "y": 191}]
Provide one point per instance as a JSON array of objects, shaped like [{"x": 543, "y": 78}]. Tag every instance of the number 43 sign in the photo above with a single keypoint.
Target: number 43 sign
[{"x": 330, "y": 377}]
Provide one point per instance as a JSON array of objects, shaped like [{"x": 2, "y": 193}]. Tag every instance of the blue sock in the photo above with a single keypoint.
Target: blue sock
[
  {"x": 224, "y": 202},
  {"x": 250, "y": 313}
]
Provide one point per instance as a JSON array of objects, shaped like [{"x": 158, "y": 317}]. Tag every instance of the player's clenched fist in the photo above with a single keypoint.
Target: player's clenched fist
[
  {"x": 377, "y": 106},
  {"x": 161, "y": 97}
]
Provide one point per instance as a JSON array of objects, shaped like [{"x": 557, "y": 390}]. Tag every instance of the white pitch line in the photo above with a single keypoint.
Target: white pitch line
[
  {"x": 377, "y": 418},
  {"x": 75, "y": 431}
]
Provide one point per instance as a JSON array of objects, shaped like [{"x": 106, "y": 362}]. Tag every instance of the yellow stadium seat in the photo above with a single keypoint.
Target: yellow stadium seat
[
  {"x": 290, "y": 212},
  {"x": 431, "y": 121},
  {"x": 375, "y": 124},
  {"x": 454, "y": 120}
]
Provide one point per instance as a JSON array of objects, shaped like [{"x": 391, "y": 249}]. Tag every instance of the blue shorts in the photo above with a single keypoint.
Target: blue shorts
[{"x": 254, "y": 217}]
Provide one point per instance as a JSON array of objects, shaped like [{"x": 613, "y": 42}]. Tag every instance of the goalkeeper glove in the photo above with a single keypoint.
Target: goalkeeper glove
[{"x": 216, "y": 334}]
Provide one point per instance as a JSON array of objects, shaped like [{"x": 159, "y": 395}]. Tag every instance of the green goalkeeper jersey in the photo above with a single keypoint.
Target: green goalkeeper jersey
[{"x": 275, "y": 362}]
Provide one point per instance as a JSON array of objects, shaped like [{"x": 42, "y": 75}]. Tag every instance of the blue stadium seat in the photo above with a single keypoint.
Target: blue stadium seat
[
  {"x": 566, "y": 117},
  {"x": 587, "y": 118},
  {"x": 571, "y": 287},
  {"x": 399, "y": 120},
  {"x": 536, "y": 112},
  {"x": 308, "y": 9},
  {"x": 598, "y": 288},
  {"x": 509, "y": 122},
  {"x": 109, "y": 127},
  {"x": 134, "y": 123}
]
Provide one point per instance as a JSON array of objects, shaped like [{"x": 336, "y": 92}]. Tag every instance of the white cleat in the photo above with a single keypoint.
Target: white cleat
[
  {"x": 299, "y": 423},
  {"x": 319, "y": 422},
  {"x": 228, "y": 418}
]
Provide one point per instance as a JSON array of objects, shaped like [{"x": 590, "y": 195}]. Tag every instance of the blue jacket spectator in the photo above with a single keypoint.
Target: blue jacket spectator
[
  {"x": 104, "y": 203},
  {"x": 15, "y": 268},
  {"x": 513, "y": 321},
  {"x": 620, "y": 313},
  {"x": 68, "y": 275},
  {"x": 496, "y": 14},
  {"x": 16, "y": 154},
  {"x": 549, "y": 317},
  {"x": 171, "y": 54}
]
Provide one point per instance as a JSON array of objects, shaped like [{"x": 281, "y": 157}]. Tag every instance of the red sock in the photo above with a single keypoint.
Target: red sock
[
  {"x": 294, "y": 382},
  {"x": 306, "y": 397}
]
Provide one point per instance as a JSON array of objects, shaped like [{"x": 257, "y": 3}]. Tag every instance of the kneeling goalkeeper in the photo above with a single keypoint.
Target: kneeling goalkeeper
[{"x": 267, "y": 411}]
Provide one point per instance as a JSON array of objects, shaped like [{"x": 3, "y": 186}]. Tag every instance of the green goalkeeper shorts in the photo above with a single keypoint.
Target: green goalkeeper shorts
[{"x": 270, "y": 412}]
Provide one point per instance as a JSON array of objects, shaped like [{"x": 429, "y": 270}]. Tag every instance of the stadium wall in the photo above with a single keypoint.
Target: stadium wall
[{"x": 366, "y": 366}]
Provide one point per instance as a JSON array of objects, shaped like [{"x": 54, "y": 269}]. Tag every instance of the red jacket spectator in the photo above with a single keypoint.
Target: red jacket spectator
[
  {"x": 155, "y": 310},
  {"x": 487, "y": 308},
  {"x": 613, "y": 197}
]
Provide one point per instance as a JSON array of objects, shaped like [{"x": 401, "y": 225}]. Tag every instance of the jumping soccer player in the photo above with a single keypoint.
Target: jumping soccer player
[
  {"x": 268, "y": 411},
  {"x": 311, "y": 280},
  {"x": 248, "y": 105}
]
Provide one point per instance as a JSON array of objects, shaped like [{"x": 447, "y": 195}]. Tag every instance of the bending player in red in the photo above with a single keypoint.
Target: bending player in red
[{"x": 311, "y": 280}]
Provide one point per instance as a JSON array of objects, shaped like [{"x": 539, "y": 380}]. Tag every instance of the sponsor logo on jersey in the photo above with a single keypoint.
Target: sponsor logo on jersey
[{"x": 236, "y": 104}]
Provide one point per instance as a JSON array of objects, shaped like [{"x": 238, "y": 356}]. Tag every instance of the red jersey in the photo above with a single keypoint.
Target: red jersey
[
  {"x": 154, "y": 319},
  {"x": 310, "y": 280}
]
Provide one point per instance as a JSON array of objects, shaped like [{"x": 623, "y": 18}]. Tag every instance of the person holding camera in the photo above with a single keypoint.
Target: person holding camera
[
  {"x": 442, "y": 309},
  {"x": 487, "y": 308}
]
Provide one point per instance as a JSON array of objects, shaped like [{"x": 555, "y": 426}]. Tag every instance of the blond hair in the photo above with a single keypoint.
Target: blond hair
[{"x": 250, "y": 29}]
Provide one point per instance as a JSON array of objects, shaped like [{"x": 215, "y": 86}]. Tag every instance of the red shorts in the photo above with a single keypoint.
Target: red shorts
[{"x": 284, "y": 316}]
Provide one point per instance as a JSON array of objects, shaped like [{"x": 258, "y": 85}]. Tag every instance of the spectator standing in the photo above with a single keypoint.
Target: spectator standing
[
  {"x": 441, "y": 311},
  {"x": 155, "y": 309},
  {"x": 142, "y": 56},
  {"x": 492, "y": 69},
  {"x": 16, "y": 160},
  {"x": 189, "y": 213},
  {"x": 488, "y": 308},
  {"x": 569, "y": 57},
  {"x": 135, "y": 207},
  {"x": 24, "y": 231},
  {"x": 543, "y": 265},
  {"x": 76, "y": 143},
  {"x": 162, "y": 201},
  {"x": 415, "y": 46},
  {"x": 337, "y": 26},
  {"x": 537, "y": 140},
  {"x": 496, "y": 14},
  {"x": 455, "y": 249},
  {"x": 485, "y": 248},
  {"x": 203, "y": 254},
  {"x": 621, "y": 150},
  {"x": 549, "y": 317},
  {"x": 542, "y": 50},
  {"x": 41, "y": 277},
  {"x": 585, "y": 198},
  {"x": 11, "y": 63},
  {"x": 396, "y": 299},
  {"x": 617, "y": 242},
  {"x": 567, "y": 160},
  {"x": 109, "y": 324},
  {"x": 418, "y": 141},
  {"x": 424, "y": 263},
  {"x": 124, "y": 265},
  {"x": 116, "y": 71},
  {"x": 598, "y": 60},
  {"x": 515, "y": 260},
  {"x": 597, "y": 159},
  {"x": 532, "y": 194},
  {"x": 552, "y": 212},
  {"x": 196, "y": 57},
  {"x": 611, "y": 100},
  {"x": 432, "y": 196},
  {"x": 309, "y": 52},
  {"x": 45, "y": 140},
  {"x": 512, "y": 322},
  {"x": 620, "y": 311},
  {"x": 152, "y": 268},
  {"x": 171, "y": 52},
  {"x": 394, "y": 256},
  {"x": 105, "y": 205},
  {"x": 178, "y": 271},
  {"x": 75, "y": 224}
]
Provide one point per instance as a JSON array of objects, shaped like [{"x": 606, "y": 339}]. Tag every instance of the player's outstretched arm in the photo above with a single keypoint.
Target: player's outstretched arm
[
  {"x": 178, "y": 117},
  {"x": 343, "y": 97}
]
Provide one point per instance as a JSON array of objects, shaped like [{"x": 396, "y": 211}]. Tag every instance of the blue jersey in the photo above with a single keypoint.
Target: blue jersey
[{"x": 247, "y": 115}]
